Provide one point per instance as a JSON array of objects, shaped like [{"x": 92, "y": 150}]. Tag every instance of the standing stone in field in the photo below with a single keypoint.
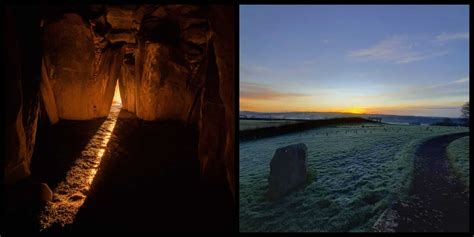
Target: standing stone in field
[{"x": 287, "y": 170}]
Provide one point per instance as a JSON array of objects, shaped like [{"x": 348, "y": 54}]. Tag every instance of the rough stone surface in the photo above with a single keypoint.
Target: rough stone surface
[
  {"x": 127, "y": 37},
  {"x": 80, "y": 76},
  {"x": 127, "y": 83},
  {"x": 45, "y": 192},
  {"x": 68, "y": 53},
  {"x": 197, "y": 36},
  {"x": 170, "y": 63},
  {"x": 211, "y": 136},
  {"x": 222, "y": 26},
  {"x": 47, "y": 96},
  {"x": 168, "y": 67},
  {"x": 22, "y": 92},
  {"x": 287, "y": 170},
  {"x": 160, "y": 81},
  {"x": 105, "y": 78},
  {"x": 120, "y": 17}
]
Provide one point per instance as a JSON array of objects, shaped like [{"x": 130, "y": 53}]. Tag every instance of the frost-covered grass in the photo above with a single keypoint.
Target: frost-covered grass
[
  {"x": 355, "y": 173},
  {"x": 458, "y": 153},
  {"x": 246, "y": 124}
]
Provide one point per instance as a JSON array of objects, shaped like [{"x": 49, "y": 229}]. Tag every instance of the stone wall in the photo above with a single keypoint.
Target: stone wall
[
  {"x": 223, "y": 26},
  {"x": 23, "y": 64},
  {"x": 172, "y": 62},
  {"x": 79, "y": 74}
]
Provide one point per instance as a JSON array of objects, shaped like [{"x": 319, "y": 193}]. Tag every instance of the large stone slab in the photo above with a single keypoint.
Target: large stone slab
[
  {"x": 79, "y": 77},
  {"x": 221, "y": 18},
  {"x": 287, "y": 170},
  {"x": 21, "y": 87}
]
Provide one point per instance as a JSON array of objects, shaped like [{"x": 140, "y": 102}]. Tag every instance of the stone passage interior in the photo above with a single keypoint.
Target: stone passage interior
[{"x": 121, "y": 118}]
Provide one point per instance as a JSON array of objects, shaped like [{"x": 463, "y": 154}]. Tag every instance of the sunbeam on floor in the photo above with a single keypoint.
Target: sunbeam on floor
[{"x": 71, "y": 193}]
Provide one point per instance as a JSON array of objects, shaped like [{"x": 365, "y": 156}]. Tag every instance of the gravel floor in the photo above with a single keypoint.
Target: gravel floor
[{"x": 126, "y": 174}]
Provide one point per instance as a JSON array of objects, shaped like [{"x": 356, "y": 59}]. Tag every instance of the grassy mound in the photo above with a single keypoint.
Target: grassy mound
[{"x": 458, "y": 154}]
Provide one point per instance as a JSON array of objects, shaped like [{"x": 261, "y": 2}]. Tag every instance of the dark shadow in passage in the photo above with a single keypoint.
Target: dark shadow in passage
[
  {"x": 149, "y": 181},
  {"x": 58, "y": 146}
]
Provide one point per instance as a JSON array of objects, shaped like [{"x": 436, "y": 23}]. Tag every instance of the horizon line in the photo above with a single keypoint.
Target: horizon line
[{"x": 352, "y": 113}]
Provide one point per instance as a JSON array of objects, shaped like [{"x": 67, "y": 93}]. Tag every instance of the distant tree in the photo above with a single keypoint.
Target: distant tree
[
  {"x": 465, "y": 113},
  {"x": 445, "y": 122}
]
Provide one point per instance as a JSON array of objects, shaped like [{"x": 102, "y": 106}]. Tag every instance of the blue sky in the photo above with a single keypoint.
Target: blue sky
[{"x": 393, "y": 59}]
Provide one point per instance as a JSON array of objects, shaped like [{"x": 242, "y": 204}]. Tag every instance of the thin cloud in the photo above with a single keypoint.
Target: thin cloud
[
  {"x": 254, "y": 70},
  {"x": 251, "y": 90},
  {"x": 418, "y": 107},
  {"x": 441, "y": 107},
  {"x": 450, "y": 88},
  {"x": 452, "y": 36},
  {"x": 442, "y": 85},
  {"x": 462, "y": 80},
  {"x": 420, "y": 110},
  {"x": 395, "y": 49}
]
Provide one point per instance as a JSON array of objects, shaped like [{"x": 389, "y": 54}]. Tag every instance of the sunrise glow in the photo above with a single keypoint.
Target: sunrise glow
[
  {"x": 355, "y": 110},
  {"x": 351, "y": 62}
]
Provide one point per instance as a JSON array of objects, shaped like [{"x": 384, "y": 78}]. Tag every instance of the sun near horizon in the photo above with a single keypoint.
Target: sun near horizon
[{"x": 394, "y": 60}]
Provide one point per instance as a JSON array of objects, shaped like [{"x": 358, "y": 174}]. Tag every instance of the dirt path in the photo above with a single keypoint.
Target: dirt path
[{"x": 439, "y": 201}]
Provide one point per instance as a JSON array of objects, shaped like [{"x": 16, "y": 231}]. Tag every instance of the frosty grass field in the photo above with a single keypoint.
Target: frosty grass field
[
  {"x": 458, "y": 153},
  {"x": 355, "y": 173}
]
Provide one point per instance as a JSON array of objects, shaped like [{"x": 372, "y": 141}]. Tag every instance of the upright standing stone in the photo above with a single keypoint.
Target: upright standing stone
[{"x": 287, "y": 170}]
